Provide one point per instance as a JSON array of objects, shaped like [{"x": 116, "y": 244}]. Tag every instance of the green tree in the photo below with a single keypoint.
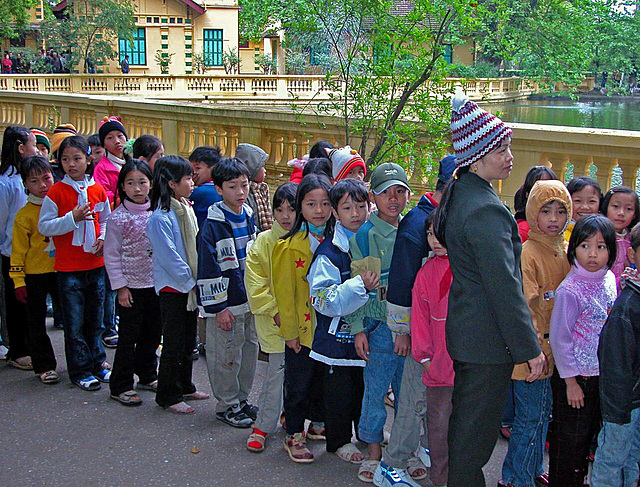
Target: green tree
[
  {"x": 91, "y": 29},
  {"x": 14, "y": 16}
]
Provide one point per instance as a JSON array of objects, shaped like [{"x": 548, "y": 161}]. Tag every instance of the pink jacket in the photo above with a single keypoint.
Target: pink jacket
[
  {"x": 428, "y": 318},
  {"x": 106, "y": 173},
  {"x": 623, "y": 242}
]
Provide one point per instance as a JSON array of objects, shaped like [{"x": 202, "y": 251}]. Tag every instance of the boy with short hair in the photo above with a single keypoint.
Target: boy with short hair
[
  {"x": 255, "y": 159},
  {"x": 97, "y": 151},
  {"x": 203, "y": 159},
  {"x": 232, "y": 342},
  {"x": 42, "y": 142},
  {"x": 371, "y": 250},
  {"x": 618, "y": 453}
]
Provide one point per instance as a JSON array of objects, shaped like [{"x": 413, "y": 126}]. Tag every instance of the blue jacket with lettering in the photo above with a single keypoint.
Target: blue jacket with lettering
[{"x": 220, "y": 283}]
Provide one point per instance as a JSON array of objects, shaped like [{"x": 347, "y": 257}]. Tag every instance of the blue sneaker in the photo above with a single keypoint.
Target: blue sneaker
[
  {"x": 386, "y": 476},
  {"x": 88, "y": 383},
  {"x": 103, "y": 375}
]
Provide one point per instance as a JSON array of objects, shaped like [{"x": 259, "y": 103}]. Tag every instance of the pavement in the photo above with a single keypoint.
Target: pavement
[{"x": 60, "y": 435}]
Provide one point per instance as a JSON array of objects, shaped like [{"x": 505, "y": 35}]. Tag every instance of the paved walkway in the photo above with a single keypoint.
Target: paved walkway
[{"x": 59, "y": 435}]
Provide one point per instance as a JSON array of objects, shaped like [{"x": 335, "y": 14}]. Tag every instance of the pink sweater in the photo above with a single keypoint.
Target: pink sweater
[
  {"x": 623, "y": 242},
  {"x": 106, "y": 173},
  {"x": 430, "y": 298},
  {"x": 127, "y": 250}
]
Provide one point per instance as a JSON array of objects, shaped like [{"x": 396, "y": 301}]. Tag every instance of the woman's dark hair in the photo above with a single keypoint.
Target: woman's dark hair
[
  {"x": 604, "y": 206},
  {"x": 353, "y": 187},
  {"x": 167, "y": 168},
  {"x": 440, "y": 216},
  {"x": 318, "y": 149},
  {"x": 133, "y": 165},
  {"x": 78, "y": 142},
  {"x": 318, "y": 165},
  {"x": 589, "y": 226},
  {"x": 146, "y": 146},
  {"x": 285, "y": 192},
  {"x": 10, "y": 157},
  {"x": 34, "y": 165},
  {"x": 578, "y": 184},
  {"x": 535, "y": 174},
  {"x": 308, "y": 184}
]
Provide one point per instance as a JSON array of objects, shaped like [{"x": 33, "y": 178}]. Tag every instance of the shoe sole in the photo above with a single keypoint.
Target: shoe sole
[
  {"x": 125, "y": 403},
  {"x": 88, "y": 389},
  {"x": 297, "y": 460},
  {"x": 230, "y": 423},
  {"x": 255, "y": 450},
  {"x": 16, "y": 365},
  {"x": 146, "y": 387}
]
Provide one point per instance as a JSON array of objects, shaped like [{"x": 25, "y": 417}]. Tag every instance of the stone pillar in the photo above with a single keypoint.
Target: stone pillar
[
  {"x": 170, "y": 136},
  {"x": 605, "y": 171},
  {"x": 581, "y": 166},
  {"x": 629, "y": 171},
  {"x": 559, "y": 163}
]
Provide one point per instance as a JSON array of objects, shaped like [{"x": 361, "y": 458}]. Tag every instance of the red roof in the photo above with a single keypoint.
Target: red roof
[{"x": 198, "y": 8}]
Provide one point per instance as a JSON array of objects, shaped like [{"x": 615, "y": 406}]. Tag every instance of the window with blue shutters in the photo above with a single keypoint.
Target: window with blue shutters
[
  {"x": 212, "y": 48},
  {"x": 137, "y": 50}
]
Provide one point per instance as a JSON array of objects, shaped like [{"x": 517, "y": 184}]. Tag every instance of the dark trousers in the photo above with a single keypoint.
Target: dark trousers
[
  {"x": 179, "y": 328},
  {"x": 343, "y": 388},
  {"x": 572, "y": 431},
  {"x": 15, "y": 311},
  {"x": 139, "y": 331},
  {"x": 38, "y": 286},
  {"x": 479, "y": 393},
  {"x": 303, "y": 398}
]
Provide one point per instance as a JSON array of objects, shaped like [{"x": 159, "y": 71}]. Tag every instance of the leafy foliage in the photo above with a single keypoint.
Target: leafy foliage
[
  {"x": 163, "y": 60},
  {"x": 231, "y": 61},
  {"x": 14, "y": 16}
]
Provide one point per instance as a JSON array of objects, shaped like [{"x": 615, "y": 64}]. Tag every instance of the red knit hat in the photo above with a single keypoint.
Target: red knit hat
[
  {"x": 108, "y": 124},
  {"x": 344, "y": 160}
]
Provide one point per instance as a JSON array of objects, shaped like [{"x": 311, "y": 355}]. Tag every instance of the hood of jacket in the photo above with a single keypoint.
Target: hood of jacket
[{"x": 542, "y": 193}]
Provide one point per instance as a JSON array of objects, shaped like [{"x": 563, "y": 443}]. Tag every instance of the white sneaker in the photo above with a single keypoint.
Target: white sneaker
[
  {"x": 386, "y": 476},
  {"x": 3, "y": 352}
]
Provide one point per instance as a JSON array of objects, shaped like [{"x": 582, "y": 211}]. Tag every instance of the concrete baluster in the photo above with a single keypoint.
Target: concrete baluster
[
  {"x": 275, "y": 153},
  {"x": 223, "y": 143},
  {"x": 629, "y": 171},
  {"x": 605, "y": 167},
  {"x": 559, "y": 165},
  {"x": 169, "y": 136},
  {"x": 288, "y": 149},
  {"x": 581, "y": 166},
  {"x": 232, "y": 138}
]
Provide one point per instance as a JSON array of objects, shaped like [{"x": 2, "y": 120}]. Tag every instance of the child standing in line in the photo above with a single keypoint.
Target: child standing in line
[
  {"x": 621, "y": 206},
  {"x": 42, "y": 142},
  {"x": 535, "y": 174},
  {"x": 127, "y": 258},
  {"x": 231, "y": 330},
  {"x": 586, "y": 196},
  {"x": 373, "y": 245},
  {"x": 334, "y": 294},
  {"x": 544, "y": 267},
  {"x": 582, "y": 302},
  {"x": 17, "y": 144},
  {"x": 172, "y": 229},
  {"x": 32, "y": 266},
  {"x": 259, "y": 285},
  {"x": 203, "y": 159},
  {"x": 616, "y": 461},
  {"x": 113, "y": 137},
  {"x": 346, "y": 163},
  {"x": 74, "y": 214},
  {"x": 292, "y": 257},
  {"x": 148, "y": 148},
  {"x": 255, "y": 159},
  {"x": 97, "y": 151},
  {"x": 60, "y": 133},
  {"x": 430, "y": 299}
]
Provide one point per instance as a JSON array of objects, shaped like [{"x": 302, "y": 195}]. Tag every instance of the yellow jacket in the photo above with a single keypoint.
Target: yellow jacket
[
  {"x": 544, "y": 267},
  {"x": 290, "y": 263},
  {"x": 259, "y": 286},
  {"x": 28, "y": 246}
]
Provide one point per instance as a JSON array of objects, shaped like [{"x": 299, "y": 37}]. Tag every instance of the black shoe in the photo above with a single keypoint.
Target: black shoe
[
  {"x": 249, "y": 409},
  {"x": 195, "y": 355},
  {"x": 237, "y": 418}
]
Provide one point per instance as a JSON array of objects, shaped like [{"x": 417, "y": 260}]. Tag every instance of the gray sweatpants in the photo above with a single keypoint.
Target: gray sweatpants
[
  {"x": 231, "y": 360},
  {"x": 271, "y": 396},
  {"x": 410, "y": 415}
]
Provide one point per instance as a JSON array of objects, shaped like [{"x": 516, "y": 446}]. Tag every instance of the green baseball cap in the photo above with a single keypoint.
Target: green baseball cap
[{"x": 387, "y": 175}]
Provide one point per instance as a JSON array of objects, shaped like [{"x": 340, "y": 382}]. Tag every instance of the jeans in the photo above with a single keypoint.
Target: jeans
[
  {"x": 38, "y": 286},
  {"x": 524, "y": 460},
  {"x": 509, "y": 408},
  {"x": 140, "y": 332},
  {"x": 15, "y": 311},
  {"x": 384, "y": 368},
  {"x": 109, "y": 309},
  {"x": 618, "y": 454},
  {"x": 82, "y": 299},
  {"x": 303, "y": 398}
]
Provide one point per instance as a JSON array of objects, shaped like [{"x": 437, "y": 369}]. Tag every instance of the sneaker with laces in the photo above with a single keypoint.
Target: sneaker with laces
[
  {"x": 104, "y": 375},
  {"x": 234, "y": 416},
  {"x": 110, "y": 341},
  {"x": 386, "y": 476},
  {"x": 296, "y": 446},
  {"x": 88, "y": 383},
  {"x": 249, "y": 409}
]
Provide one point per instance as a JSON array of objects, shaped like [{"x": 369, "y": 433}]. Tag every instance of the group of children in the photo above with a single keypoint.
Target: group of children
[{"x": 110, "y": 223}]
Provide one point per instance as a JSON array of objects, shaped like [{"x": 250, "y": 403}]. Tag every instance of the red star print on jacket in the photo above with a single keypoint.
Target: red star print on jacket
[
  {"x": 307, "y": 317},
  {"x": 299, "y": 263}
]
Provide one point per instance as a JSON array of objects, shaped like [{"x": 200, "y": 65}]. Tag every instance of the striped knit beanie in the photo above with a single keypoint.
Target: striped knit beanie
[
  {"x": 475, "y": 131},
  {"x": 344, "y": 160},
  {"x": 108, "y": 124},
  {"x": 60, "y": 133},
  {"x": 41, "y": 137}
]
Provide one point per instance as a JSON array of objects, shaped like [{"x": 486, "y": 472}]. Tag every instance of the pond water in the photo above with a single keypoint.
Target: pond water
[{"x": 599, "y": 114}]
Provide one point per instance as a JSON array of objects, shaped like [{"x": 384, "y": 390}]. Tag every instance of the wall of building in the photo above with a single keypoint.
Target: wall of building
[{"x": 464, "y": 53}]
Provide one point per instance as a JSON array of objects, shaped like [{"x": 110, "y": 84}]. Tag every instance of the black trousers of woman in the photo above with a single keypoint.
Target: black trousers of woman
[{"x": 15, "y": 312}]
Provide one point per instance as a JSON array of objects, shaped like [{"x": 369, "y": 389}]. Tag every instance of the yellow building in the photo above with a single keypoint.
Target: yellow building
[{"x": 29, "y": 37}]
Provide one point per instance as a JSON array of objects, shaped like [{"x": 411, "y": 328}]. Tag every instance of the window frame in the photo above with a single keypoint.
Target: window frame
[
  {"x": 210, "y": 39},
  {"x": 137, "y": 50}
]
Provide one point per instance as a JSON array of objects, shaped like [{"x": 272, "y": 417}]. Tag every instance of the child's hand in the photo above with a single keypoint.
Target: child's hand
[
  {"x": 225, "y": 320},
  {"x": 371, "y": 280},
  {"x": 125, "y": 299},
  {"x": 575, "y": 396},
  {"x": 21, "y": 294},
  {"x": 426, "y": 366},
  {"x": 294, "y": 344},
  {"x": 362, "y": 346},
  {"x": 402, "y": 345},
  {"x": 276, "y": 320},
  {"x": 97, "y": 248},
  {"x": 81, "y": 213}
]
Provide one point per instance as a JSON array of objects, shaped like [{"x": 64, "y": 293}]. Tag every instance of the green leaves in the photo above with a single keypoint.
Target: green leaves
[{"x": 14, "y": 16}]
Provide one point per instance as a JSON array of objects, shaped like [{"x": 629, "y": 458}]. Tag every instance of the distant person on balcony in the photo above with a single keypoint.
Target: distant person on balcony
[
  {"x": 124, "y": 64},
  {"x": 7, "y": 64},
  {"x": 56, "y": 63}
]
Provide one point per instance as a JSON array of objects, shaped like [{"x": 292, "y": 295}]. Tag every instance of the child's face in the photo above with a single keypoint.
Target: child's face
[
  {"x": 74, "y": 162},
  {"x": 260, "y": 176},
  {"x": 234, "y": 192},
  {"x": 44, "y": 151},
  {"x": 585, "y": 202},
  {"x": 183, "y": 188},
  {"x": 621, "y": 210},
  {"x": 285, "y": 215},
  {"x": 201, "y": 173},
  {"x": 137, "y": 186},
  {"x": 97, "y": 151},
  {"x": 391, "y": 202},
  {"x": 552, "y": 218},
  {"x": 634, "y": 256},
  {"x": 436, "y": 246},
  {"x": 29, "y": 148},
  {"x": 592, "y": 253},
  {"x": 356, "y": 173},
  {"x": 152, "y": 160},
  {"x": 316, "y": 208},
  {"x": 39, "y": 184},
  {"x": 114, "y": 143},
  {"x": 352, "y": 214}
]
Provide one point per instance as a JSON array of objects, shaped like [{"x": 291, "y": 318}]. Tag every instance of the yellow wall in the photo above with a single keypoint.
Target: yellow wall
[{"x": 464, "y": 53}]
